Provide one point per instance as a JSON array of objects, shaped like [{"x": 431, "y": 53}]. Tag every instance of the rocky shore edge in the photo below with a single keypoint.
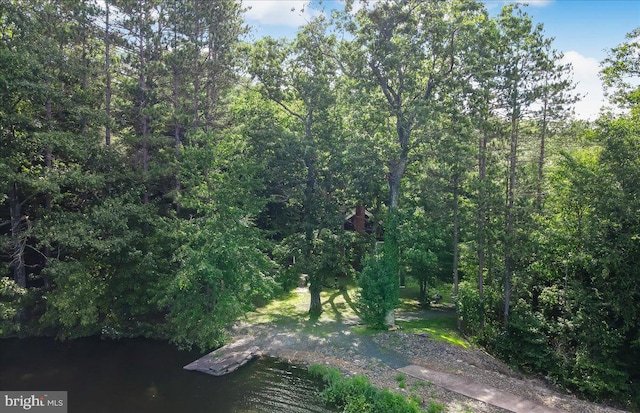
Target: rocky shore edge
[{"x": 378, "y": 356}]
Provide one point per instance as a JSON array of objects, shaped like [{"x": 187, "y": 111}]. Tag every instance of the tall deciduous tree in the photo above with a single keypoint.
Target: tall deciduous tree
[
  {"x": 621, "y": 71},
  {"x": 407, "y": 51},
  {"x": 299, "y": 78}
]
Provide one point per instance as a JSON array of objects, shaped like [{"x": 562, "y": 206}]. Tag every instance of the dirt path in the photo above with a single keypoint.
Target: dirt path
[
  {"x": 478, "y": 391},
  {"x": 341, "y": 342}
]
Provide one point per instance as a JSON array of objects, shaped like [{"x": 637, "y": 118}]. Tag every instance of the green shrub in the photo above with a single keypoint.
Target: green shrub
[
  {"x": 575, "y": 352},
  {"x": 434, "y": 407},
  {"x": 378, "y": 293},
  {"x": 526, "y": 342},
  {"x": 420, "y": 238},
  {"x": 287, "y": 278},
  {"x": 469, "y": 306},
  {"x": 357, "y": 394},
  {"x": 11, "y": 296},
  {"x": 285, "y": 254}
]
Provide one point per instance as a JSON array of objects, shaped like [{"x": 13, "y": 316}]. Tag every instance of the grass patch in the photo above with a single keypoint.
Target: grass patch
[
  {"x": 401, "y": 378},
  {"x": 443, "y": 329},
  {"x": 357, "y": 394},
  {"x": 365, "y": 330},
  {"x": 293, "y": 307},
  {"x": 409, "y": 295},
  {"x": 338, "y": 305}
]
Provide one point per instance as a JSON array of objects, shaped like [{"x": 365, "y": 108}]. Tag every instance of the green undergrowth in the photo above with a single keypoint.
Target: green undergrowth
[
  {"x": 357, "y": 394},
  {"x": 409, "y": 296},
  {"x": 441, "y": 328},
  {"x": 439, "y": 321}
]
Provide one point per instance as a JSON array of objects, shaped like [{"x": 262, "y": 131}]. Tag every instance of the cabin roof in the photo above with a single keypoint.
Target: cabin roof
[{"x": 352, "y": 212}]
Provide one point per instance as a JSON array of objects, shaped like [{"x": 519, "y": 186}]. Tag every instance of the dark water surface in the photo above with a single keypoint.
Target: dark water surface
[{"x": 140, "y": 376}]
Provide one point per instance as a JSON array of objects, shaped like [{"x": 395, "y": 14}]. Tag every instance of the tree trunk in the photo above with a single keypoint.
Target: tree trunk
[
  {"x": 212, "y": 92},
  {"x": 396, "y": 170},
  {"x": 48, "y": 198},
  {"x": 142, "y": 84},
  {"x": 397, "y": 167},
  {"x": 509, "y": 233},
  {"x": 456, "y": 247},
  {"x": 543, "y": 137},
  {"x": 308, "y": 206},
  {"x": 196, "y": 73},
  {"x": 456, "y": 234},
  {"x": 48, "y": 160},
  {"x": 17, "y": 239},
  {"x": 85, "y": 69},
  {"x": 315, "y": 306},
  {"x": 482, "y": 171},
  {"x": 310, "y": 183},
  {"x": 176, "y": 125},
  {"x": 145, "y": 158},
  {"x": 423, "y": 291},
  {"x": 391, "y": 255},
  {"x": 107, "y": 68}
]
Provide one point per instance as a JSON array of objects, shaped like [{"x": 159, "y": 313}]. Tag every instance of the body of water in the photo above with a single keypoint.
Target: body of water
[{"x": 140, "y": 376}]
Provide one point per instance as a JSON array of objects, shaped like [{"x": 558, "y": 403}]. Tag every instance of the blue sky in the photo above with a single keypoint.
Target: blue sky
[{"x": 583, "y": 31}]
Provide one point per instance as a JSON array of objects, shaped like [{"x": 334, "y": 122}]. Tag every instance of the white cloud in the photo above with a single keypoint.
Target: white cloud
[
  {"x": 291, "y": 13},
  {"x": 589, "y": 85}
]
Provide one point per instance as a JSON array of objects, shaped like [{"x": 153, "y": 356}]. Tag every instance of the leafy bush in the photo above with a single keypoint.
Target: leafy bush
[
  {"x": 329, "y": 254},
  {"x": 469, "y": 306},
  {"x": 287, "y": 254},
  {"x": 378, "y": 292},
  {"x": 327, "y": 258},
  {"x": 419, "y": 237},
  {"x": 575, "y": 352},
  {"x": 604, "y": 379},
  {"x": 528, "y": 334},
  {"x": 434, "y": 407},
  {"x": 223, "y": 273},
  {"x": 357, "y": 394},
  {"x": 10, "y": 303}
]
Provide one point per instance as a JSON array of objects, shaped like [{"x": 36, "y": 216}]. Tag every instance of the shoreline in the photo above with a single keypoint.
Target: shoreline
[{"x": 378, "y": 356}]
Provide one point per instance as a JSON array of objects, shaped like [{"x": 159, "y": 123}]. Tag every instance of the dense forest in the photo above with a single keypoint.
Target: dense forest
[{"x": 160, "y": 175}]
